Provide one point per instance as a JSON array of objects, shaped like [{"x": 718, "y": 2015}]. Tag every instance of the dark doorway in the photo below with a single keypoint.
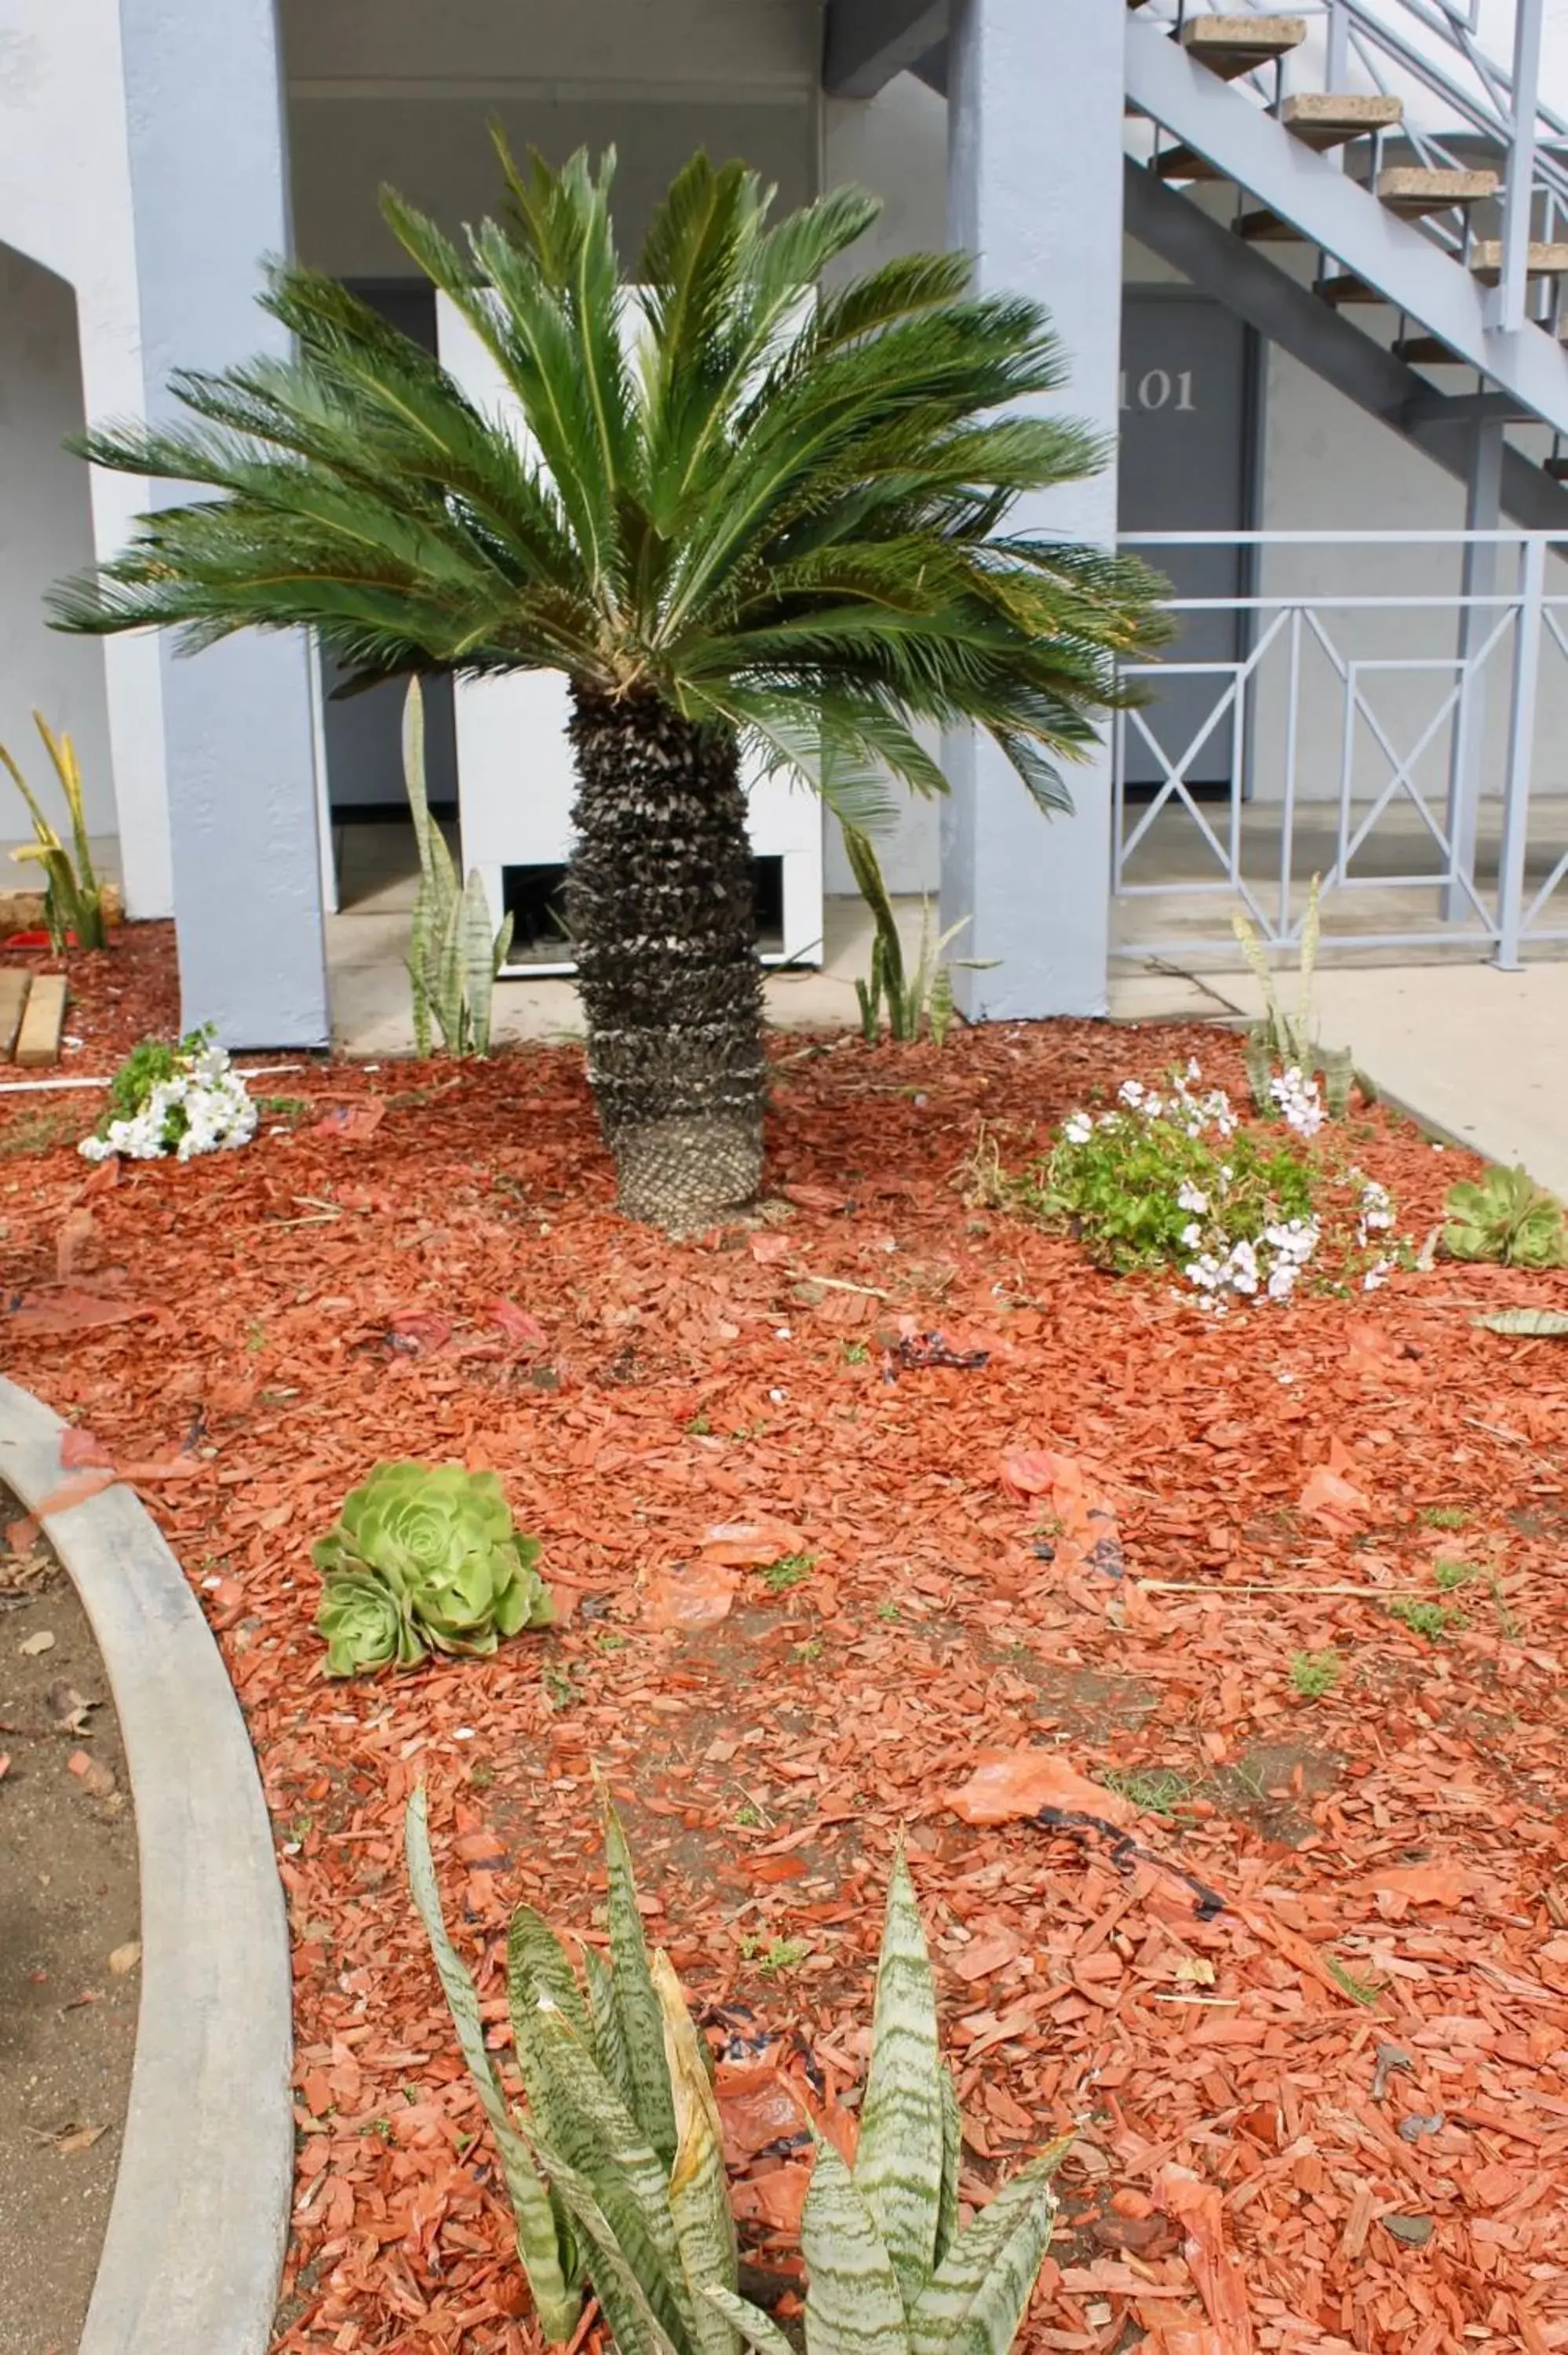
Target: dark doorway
[{"x": 1188, "y": 402}]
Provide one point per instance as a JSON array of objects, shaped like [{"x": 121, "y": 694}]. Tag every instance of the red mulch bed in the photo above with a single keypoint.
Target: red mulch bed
[{"x": 1369, "y": 2065}]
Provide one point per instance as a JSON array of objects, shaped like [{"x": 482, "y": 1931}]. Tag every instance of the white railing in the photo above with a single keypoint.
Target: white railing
[
  {"x": 1350, "y": 713},
  {"x": 1463, "y": 108}
]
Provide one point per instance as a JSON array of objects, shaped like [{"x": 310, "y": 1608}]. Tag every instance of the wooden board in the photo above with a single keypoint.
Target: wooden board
[
  {"x": 39, "y": 1040},
  {"x": 13, "y": 984}
]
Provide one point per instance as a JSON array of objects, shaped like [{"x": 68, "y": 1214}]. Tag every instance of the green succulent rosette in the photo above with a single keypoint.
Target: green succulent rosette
[
  {"x": 440, "y": 1542},
  {"x": 366, "y": 1625}
]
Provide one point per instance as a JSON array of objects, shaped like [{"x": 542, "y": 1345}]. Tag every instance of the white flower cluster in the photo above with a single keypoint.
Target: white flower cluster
[
  {"x": 1376, "y": 1217},
  {"x": 204, "y": 1108},
  {"x": 1272, "y": 1266},
  {"x": 1191, "y": 1111},
  {"x": 1301, "y": 1105}
]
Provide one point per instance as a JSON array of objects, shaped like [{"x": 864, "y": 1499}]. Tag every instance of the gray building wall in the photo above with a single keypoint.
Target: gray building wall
[
  {"x": 46, "y": 528},
  {"x": 209, "y": 195}
]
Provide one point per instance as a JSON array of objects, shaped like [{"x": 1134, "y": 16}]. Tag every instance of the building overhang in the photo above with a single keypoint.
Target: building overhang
[{"x": 866, "y": 42}]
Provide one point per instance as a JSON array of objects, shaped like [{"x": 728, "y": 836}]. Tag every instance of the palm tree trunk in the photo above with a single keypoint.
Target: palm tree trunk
[{"x": 660, "y": 902}]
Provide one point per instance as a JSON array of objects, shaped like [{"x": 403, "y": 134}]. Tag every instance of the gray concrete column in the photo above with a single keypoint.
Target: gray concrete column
[
  {"x": 210, "y": 197},
  {"x": 1034, "y": 180}
]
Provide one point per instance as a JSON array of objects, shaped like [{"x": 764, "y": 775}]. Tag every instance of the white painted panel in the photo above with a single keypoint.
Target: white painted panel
[{"x": 515, "y": 779}]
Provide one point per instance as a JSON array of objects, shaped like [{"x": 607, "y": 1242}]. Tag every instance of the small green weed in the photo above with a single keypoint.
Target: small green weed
[
  {"x": 788, "y": 1571},
  {"x": 700, "y": 1427},
  {"x": 1158, "y": 1790},
  {"x": 1313, "y": 1674},
  {"x": 749, "y": 1815},
  {"x": 1432, "y": 1620},
  {"x": 1448, "y": 1575},
  {"x": 1444, "y": 1516},
  {"x": 1509, "y": 1627},
  {"x": 284, "y": 1107},
  {"x": 558, "y": 1687},
  {"x": 889, "y": 1610},
  {"x": 39, "y": 1132},
  {"x": 855, "y": 1353},
  {"x": 1359, "y": 1990},
  {"x": 256, "y": 1336},
  {"x": 779, "y": 1956},
  {"x": 811, "y": 1649}
]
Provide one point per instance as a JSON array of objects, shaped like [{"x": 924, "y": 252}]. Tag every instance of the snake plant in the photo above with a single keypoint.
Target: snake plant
[
  {"x": 886, "y": 2267},
  {"x": 73, "y": 896},
  {"x": 453, "y": 956},
  {"x": 616, "y": 2168}
]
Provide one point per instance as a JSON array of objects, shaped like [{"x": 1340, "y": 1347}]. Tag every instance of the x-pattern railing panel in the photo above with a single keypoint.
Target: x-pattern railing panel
[{"x": 1299, "y": 763}]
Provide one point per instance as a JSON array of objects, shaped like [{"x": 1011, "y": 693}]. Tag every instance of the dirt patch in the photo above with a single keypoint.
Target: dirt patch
[{"x": 69, "y": 1973}]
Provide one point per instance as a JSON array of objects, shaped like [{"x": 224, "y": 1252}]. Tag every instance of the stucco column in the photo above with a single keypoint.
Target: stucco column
[
  {"x": 210, "y": 197},
  {"x": 1034, "y": 172}
]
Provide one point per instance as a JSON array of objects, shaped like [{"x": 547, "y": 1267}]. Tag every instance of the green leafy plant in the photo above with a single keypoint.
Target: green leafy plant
[
  {"x": 1449, "y": 1576},
  {"x": 793, "y": 525},
  {"x": 1444, "y": 1516},
  {"x": 1169, "y": 1177},
  {"x": 912, "y": 999},
  {"x": 425, "y": 1558},
  {"x": 789, "y": 1571},
  {"x": 1505, "y": 1216},
  {"x": 73, "y": 896},
  {"x": 453, "y": 956},
  {"x": 1432, "y": 1620},
  {"x": 1285, "y": 1041},
  {"x": 1313, "y": 1674}
]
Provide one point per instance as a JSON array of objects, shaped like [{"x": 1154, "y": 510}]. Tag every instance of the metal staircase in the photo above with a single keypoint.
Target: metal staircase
[{"x": 1410, "y": 195}]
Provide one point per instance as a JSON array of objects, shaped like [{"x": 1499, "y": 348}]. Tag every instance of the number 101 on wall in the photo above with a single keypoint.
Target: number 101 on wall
[{"x": 1157, "y": 389}]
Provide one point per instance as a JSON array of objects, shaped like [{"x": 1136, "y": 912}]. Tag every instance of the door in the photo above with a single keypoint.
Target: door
[{"x": 1188, "y": 379}]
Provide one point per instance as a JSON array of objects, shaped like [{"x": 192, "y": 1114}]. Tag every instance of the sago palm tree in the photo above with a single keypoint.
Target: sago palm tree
[{"x": 776, "y": 517}]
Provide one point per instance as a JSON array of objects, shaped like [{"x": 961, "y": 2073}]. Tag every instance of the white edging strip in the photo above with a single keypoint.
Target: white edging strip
[{"x": 194, "y": 2246}]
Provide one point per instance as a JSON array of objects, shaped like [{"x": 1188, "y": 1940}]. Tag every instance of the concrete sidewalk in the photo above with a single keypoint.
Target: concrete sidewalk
[{"x": 1481, "y": 1054}]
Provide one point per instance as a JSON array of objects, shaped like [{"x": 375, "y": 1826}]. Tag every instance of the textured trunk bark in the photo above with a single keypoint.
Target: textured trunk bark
[{"x": 659, "y": 901}]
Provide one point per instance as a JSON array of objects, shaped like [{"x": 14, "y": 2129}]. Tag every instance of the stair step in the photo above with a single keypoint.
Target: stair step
[
  {"x": 1345, "y": 287},
  {"x": 1322, "y": 118},
  {"x": 1543, "y": 260},
  {"x": 1180, "y": 162},
  {"x": 1230, "y": 46},
  {"x": 43, "y": 1019},
  {"x": 1411, "y": 191},
  {"x": 1427, "y": 351},
  {"x": 1266, "y": 228}
]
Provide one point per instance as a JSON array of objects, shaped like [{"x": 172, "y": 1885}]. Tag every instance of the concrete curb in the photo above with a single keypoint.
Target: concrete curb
[{"x": 194, "y": 2246}]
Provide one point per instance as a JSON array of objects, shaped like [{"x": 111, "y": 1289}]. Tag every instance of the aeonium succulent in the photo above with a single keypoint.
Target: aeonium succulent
[
  {"x": 366, "y": 1625},
  {"x": 438, "y": 1542}
]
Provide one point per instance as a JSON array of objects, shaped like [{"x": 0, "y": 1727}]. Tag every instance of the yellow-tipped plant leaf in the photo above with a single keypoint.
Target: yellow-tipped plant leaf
[
  {"x": 975, "y": 2301},
  {"x": 1529, "y": 1324},
  {"x": 757, "y": 2327},
  {"x": 623, "y": 2300},
  {"x": 699, "y": 2187},
  {"x": 538, "y": 2245},
  {"x": 641, "y": 2022},
  {"x": 898, "y": 2167},
  {"x": 853, "y": 2305},
  {"x": 604, "y": 2143}
]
